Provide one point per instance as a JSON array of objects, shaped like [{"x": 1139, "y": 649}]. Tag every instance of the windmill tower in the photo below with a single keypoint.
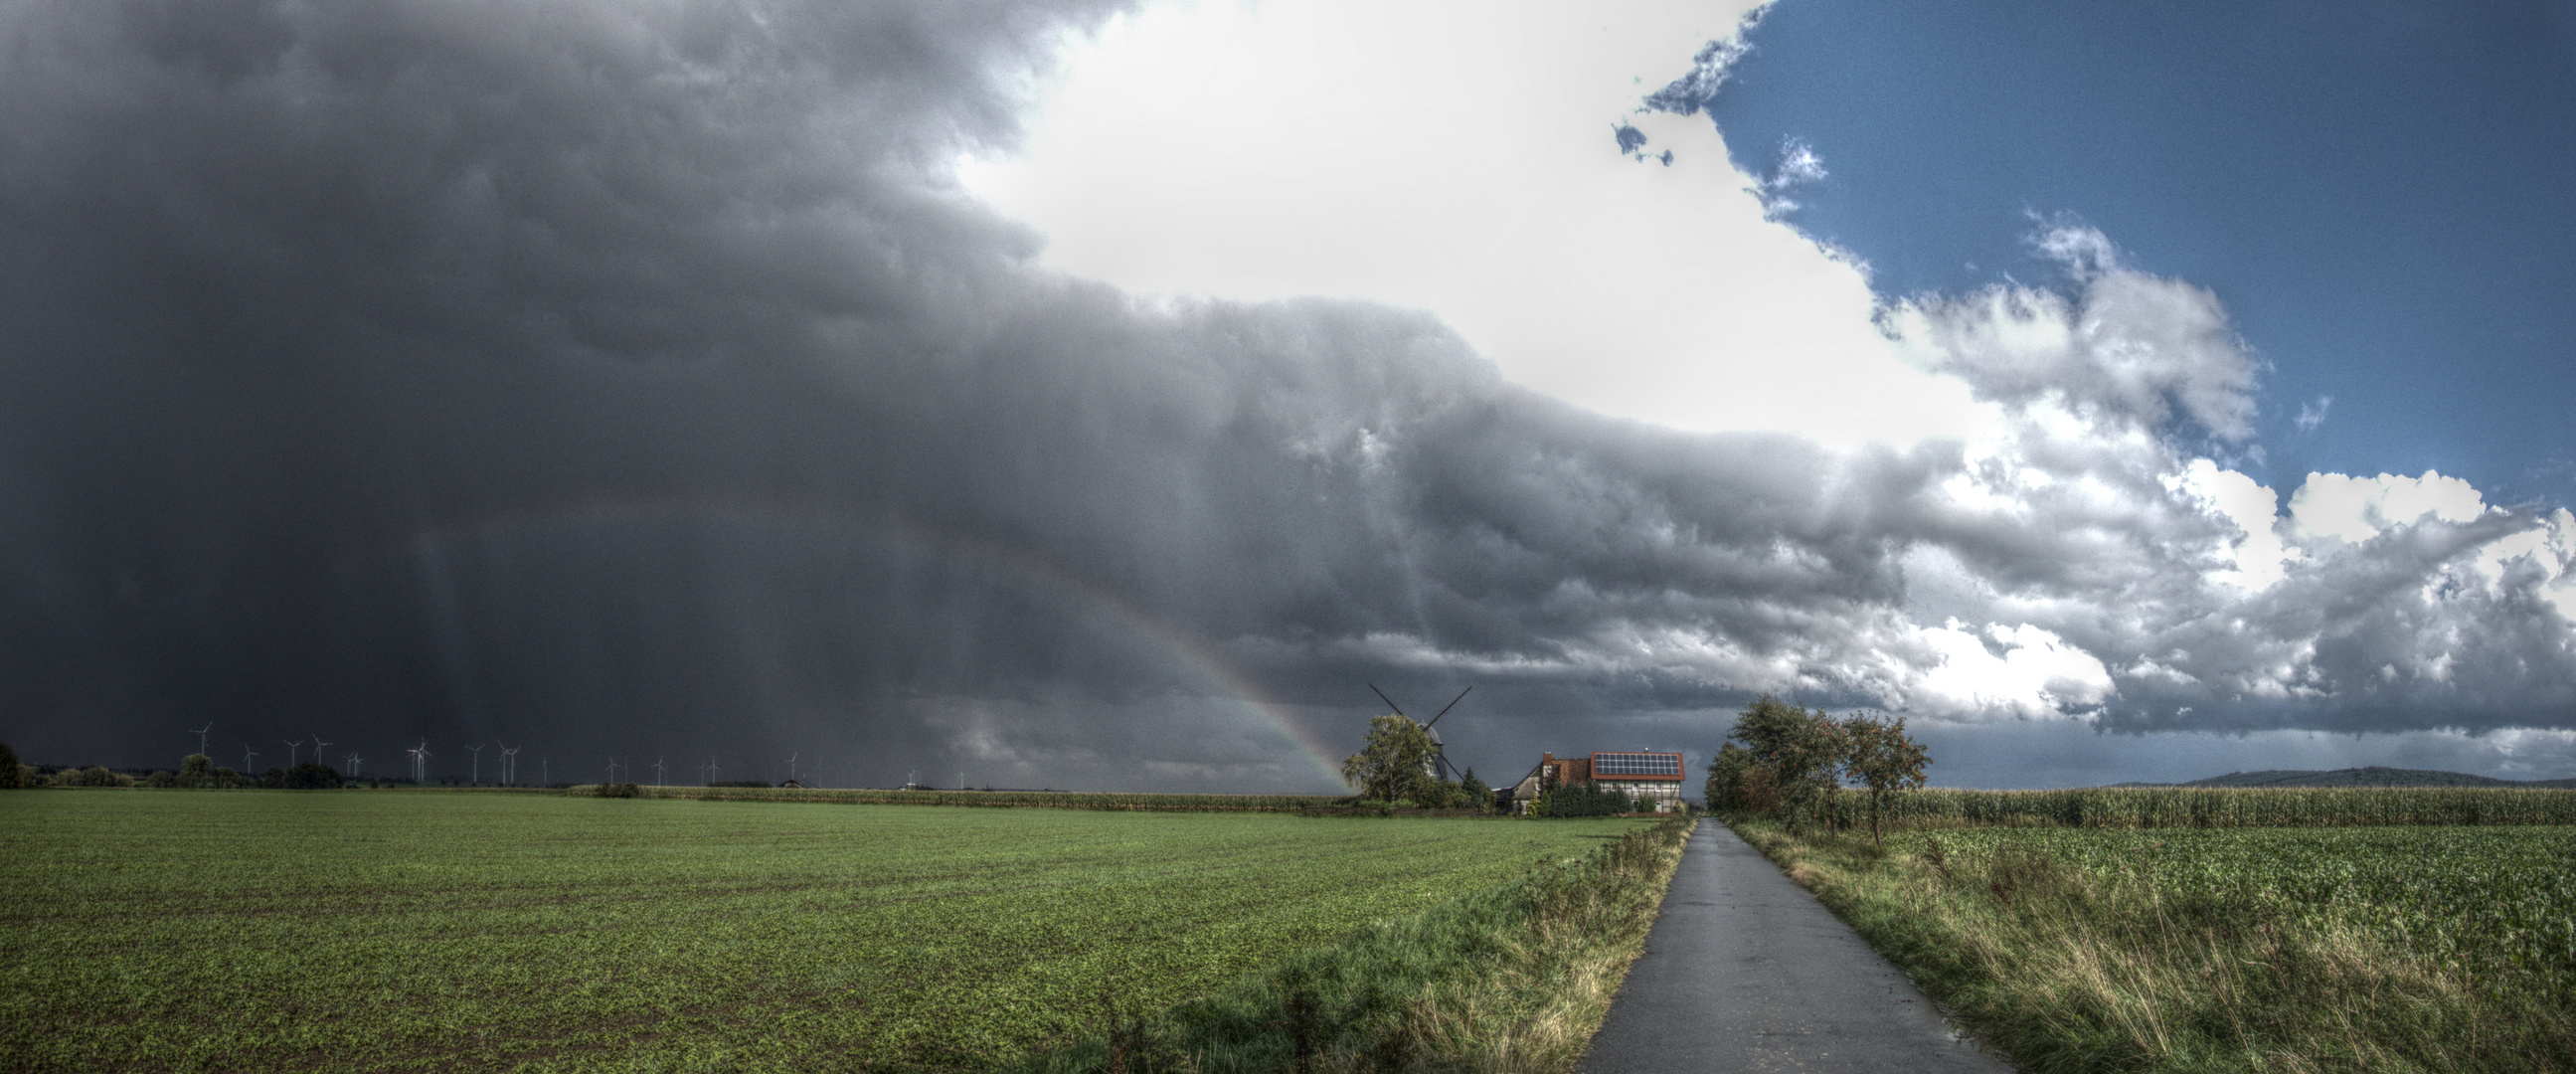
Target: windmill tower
[
  {"x": 476, "y": 779},
  {"x": 317, "y": 748},
  {"x": 201, "y": 737},
  {"x": 1440, "y": 767},
  {"x": 509, "y": 765}
]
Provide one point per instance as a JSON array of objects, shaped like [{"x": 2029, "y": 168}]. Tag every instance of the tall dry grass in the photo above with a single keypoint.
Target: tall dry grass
[
  {"x": 2210, "y": 807},
  {"x": 2073, "y": 971}
]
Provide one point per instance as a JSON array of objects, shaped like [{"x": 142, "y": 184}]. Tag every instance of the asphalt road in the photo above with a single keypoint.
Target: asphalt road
[{"x": 1745, "y": 971}]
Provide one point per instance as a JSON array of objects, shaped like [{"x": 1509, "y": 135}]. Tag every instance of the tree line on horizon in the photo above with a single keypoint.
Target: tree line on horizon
[{"x": 196, "y": 771}]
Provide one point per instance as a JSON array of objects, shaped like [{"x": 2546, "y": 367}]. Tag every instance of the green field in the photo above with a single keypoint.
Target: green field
[
  {"x": 318, "y": 930},
  {"x": 1156, "y": 803},
  {"x": 2499, "y": 904}
]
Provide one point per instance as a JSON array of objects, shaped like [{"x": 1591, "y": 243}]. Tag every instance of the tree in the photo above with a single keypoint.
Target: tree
[
  {"x": 1803, "y": 752},
  {"x": 196, "y": 770},
  {"x": 312, "y": 775},
  {"x": 1736, "y": 784},
  {"x": 8, "y": 766},
  {"x": 1883, "y": 759},
  {"x": 1394, "y": 762},
  {"x": 1479, "y": 797}
]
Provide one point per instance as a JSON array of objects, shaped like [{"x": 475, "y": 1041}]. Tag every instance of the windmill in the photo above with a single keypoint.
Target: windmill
[
  {"x": 476, "y": 779},
  {"x": 247, "y": 754},
  {"x": 1440, "y": 766},
  {"x": 419, "y": 761},
  {"x": 201, "y": 735},
  {"x": 509, "y": 766},
  {"x": 290, "y": 751},
  {"x": 657, "y": 772},
  {"x": 353, "y": 766},
  {"x": 317, "y": 748}
]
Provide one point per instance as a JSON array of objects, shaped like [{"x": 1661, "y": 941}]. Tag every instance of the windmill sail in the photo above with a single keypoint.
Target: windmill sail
[{"x": 1440, "y": 767}]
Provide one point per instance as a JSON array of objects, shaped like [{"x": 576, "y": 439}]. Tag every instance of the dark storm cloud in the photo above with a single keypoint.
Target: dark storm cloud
[
  {"x": 600, "y": 372},
  {"x": 635, "y": 377}
]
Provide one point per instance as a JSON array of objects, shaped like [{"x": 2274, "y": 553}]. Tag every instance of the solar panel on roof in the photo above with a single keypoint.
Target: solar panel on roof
[{"x": 1636, "y": 764}]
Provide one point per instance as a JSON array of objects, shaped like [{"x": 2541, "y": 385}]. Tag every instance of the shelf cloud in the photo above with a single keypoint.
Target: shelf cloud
[{"x": 645, "y": 377}]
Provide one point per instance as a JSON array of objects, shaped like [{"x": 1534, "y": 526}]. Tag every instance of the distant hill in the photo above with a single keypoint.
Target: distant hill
[{"x": 2358, "y": 777}]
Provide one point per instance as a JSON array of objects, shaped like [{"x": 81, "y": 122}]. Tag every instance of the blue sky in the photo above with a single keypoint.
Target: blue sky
[{"x": 2379, "y": 192}]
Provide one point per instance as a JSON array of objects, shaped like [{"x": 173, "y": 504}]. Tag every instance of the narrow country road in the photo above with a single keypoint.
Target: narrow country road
[{"x": 1745, "y": 971}]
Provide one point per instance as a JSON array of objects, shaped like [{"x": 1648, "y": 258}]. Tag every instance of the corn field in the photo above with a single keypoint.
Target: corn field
[{"x": 2199, "y": 807}]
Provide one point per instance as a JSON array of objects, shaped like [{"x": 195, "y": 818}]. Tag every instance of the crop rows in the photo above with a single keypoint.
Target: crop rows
[
  {"x": 2198, "y": 807},
  {"x": 394, "y": 930},
  {"x": 2495, "y": 903},
  {"x": 1159, "y": 803}
]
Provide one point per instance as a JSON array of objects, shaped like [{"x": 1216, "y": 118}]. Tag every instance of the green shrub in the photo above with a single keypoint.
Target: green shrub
[
  {"x": 92, "y": 776},
  {"x": 1580, "y": 800},
  {"x": 619, "y": 790},
  {"x": 8, "y": 767},
  {"x": 311, "y": 776}
]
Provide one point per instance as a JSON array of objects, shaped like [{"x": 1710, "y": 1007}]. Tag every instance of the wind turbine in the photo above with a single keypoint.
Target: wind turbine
[
  {"x": 713, "y": 772},
  {"x": 509, "y": 766},
  {"x": 247, "y": 754},
  {"x": 317, "y": 748},
  {"x": 201, "y": 735},
  {"x": 791, "y": 765},
  {"x": 477, "y": 751},
  {"x": 543, "y": 772},
  {"x": 657, "y": 771},
  {"x": 419, "y": 761},
  {"x": 290, "y": 751},
  {"x": 353, "y": 766}
]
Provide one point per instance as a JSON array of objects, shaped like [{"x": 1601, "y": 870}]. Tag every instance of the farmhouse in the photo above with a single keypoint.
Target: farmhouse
[{"x": 1633, "y": 773}]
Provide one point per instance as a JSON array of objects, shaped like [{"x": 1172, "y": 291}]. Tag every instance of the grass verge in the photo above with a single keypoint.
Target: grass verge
[
  {"x": 1512, "y": 980},
  {"x": 2133, "y": 965}
]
